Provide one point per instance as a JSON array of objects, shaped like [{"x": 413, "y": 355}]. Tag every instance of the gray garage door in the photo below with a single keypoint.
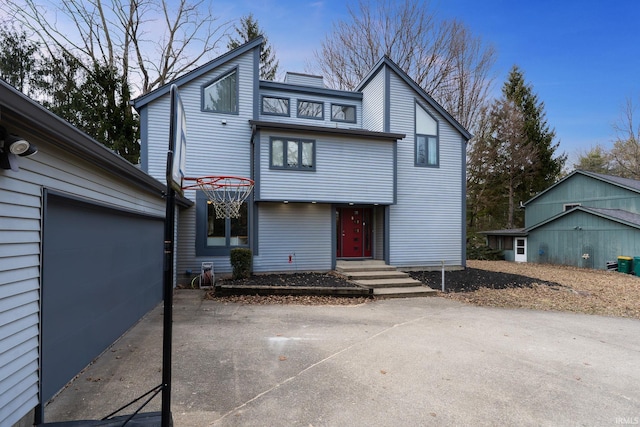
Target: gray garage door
[{"x": 102, "y": 271}]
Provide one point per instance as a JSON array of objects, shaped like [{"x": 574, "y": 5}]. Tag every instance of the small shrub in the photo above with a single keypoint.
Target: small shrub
[{"x": 241, "y": 260}]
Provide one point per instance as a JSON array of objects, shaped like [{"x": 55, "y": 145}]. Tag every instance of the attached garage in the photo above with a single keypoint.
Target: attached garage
[
  {"x": 81, "y": 254},
  {"x": 100, "y": 275}
]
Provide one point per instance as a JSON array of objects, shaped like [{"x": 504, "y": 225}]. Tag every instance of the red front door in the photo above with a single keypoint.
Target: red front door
[{"x": 354, "y": 232}]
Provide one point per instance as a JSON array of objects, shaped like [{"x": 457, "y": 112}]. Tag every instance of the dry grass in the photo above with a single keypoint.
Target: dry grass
[{"x": 581, "y": 290}]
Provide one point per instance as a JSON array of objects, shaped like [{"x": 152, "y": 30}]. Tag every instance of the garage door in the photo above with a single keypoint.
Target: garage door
[{"x": 102, "y": 271}]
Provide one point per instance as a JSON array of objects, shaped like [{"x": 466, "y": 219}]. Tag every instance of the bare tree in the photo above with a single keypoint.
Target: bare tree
[
  {"x": 150, "y": 42},
  {"x": 442, "y": 57},
  {"x": 514, "y": 154},
  {"x": 625, "y": 153}
]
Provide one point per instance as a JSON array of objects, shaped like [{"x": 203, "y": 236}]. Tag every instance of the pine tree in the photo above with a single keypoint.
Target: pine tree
[
  {"x": 547, "y": 167},
  {"x": 249, "y": 30}
]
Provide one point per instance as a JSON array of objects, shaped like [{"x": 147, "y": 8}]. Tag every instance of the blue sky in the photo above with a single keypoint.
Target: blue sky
[{"x": 581, "y": 56}]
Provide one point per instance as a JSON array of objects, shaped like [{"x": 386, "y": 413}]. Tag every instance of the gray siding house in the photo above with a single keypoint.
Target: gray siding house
[
  {"x": 373, "y": 173},
  {"x": 584, "y": 220},
  {"x": 81, "y": 241}
]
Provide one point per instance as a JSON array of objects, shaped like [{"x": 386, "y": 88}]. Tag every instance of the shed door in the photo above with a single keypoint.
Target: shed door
[
  {"x": 101, "y": 272},
  {"x": 520, "y": 249}
]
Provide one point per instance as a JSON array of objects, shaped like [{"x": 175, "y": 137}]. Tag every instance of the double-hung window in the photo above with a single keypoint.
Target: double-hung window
[
  {"x": 216, "y": 236},
  {"x": 292, "y": 153},
  {"x": 221, "y": 95},
  {"x": 275, "y": 106},
  {"x": 426, "y": 143}
]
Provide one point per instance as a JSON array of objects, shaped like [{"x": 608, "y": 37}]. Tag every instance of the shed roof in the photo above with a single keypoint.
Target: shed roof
[{"x": 515, "y": 232}]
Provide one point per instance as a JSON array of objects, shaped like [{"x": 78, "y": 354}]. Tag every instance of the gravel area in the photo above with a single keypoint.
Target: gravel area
[
  {"x": 485, "y": 283},
  {"x": 555, "y": 287}
]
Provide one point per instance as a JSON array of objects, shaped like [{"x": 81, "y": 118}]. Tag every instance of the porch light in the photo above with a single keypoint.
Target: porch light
[{"x": 285, "y": 202}]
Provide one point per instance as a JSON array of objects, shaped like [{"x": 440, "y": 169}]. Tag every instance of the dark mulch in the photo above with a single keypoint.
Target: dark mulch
[
  {"x": 467, "y": 280},
  {"x": 327, "y": 280},
  {"x": 472, "y": 279}
]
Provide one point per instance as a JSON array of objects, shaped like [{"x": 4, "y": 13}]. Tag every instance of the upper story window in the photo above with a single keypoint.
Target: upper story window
[
  {"x": 221, "y": 95},
  {"x": 275, "y": 106},
  {"x": 289, "y": 153},
  {"x": 343, "y": 113},
  {"x": 426, "y": 149},
  {"x": 310, "y": 109}
]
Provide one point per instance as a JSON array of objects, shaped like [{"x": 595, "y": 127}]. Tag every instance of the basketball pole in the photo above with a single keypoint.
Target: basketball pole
[
  {"x": 167, "y": 333},
  {"x": 169, "y": 233}
]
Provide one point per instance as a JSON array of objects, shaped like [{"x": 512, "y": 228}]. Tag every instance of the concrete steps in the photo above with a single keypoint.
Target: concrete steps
[{"x": 385, "y": 280}]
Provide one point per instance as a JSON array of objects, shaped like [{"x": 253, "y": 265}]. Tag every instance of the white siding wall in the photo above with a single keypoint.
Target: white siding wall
[
  {"x": 293, "y": 109},
  {"x": 347, "y": 170},
  {"x": 20, "y": 240},
  {"x": 280, "y": 228},
  {"x": 373, "y": 104},
  {"x": 426, "y": 223}
]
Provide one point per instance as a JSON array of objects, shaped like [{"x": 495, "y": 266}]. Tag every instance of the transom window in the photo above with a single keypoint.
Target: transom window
[
  {"x": 343, "y": 113},
  {"x": 288, "y": 153},
  {"x": 274, "y": 105},
  {"x": 310, "y": 109},
  {"x": 221, "y": 95},
  {"x": 426, "y": 149}
]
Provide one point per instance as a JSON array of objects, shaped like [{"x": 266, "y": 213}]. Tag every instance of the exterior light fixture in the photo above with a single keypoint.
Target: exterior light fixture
[
  {"x": 285, "y": 202},
  {"x": 12, "y": 146}
]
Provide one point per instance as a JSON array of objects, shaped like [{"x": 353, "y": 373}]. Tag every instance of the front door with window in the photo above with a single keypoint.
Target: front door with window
[
  {"x": 520, "y": 249},
  {"x": 354, "y": 232}
]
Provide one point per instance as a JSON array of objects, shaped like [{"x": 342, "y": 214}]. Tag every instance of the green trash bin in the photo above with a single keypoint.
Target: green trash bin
[
  {"x": 636, "y": 265},
  {"x": 625, "y": 264}
]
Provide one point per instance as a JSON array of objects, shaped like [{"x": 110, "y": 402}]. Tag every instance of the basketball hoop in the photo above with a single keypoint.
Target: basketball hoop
[{"x": 226, "y": 193}]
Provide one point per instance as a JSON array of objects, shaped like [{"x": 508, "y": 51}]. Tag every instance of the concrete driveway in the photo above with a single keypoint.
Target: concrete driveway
[{"x": 403, "y": 362}]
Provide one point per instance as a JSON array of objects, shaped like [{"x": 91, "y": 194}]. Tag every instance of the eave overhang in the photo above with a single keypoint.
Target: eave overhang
[{"x": 351, "y": 133}]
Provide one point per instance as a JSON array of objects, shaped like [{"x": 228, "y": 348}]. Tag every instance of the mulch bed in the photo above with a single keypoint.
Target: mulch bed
[
  {"x": 328, "y": 280},
  {"x": 472, "y": 279},
  {"x": 467, "y": 280}
]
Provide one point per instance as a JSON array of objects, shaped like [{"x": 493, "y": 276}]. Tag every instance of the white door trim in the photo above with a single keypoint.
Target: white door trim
[{"x": 520, "y": 249}]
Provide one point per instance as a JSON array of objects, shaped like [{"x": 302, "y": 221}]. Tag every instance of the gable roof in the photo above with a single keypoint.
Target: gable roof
[
  {"x": 386, "y": 61},
  {"x": 616, "y": 215},
  {"x": 203, "y": 69},
  {"x": 629, "y": 184}
]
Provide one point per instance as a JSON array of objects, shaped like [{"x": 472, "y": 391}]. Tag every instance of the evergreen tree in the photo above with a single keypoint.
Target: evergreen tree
[
  {"x": 547, "y": 167},
  {"x": 249, "y": 30},
  {"x": 597, "y": 160},
  {"x": 19, "y": 63}
]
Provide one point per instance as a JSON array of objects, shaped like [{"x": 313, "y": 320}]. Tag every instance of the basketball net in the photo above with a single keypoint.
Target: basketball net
[{"x": 226, "y": 193}]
